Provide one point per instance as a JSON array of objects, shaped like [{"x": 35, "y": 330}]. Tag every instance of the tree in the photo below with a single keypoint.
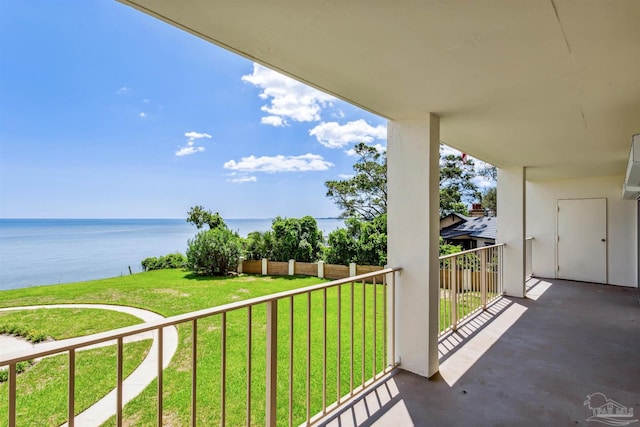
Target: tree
[
  {"x": 362, "y": 242},
  {"x": 294, "y": 238},
  {"x": 456, "y": 183},
  {"x": 198, "y": 216},
  {"x": 364, "y": 195},
  {"x": 489, "y": 200},
  {"x": 489, "y": 197},
  {"x": 214, "y": 252}
]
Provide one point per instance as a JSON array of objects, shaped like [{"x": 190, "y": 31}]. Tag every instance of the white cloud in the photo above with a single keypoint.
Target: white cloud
[
  {"x": 273, "y": 121},
  {"x": 289, "y": 99},
  {"x": 143, "y": 114},
  {"x": 146, "y": 100},
  {"x": 243, "y": 179},
  {"x": 123, "y": 90},
  {"x": 335, "y": 135},
  {"x": 304, "y": 163},
  {"x": 191, "y": 146},
  {"x": 345, "y": 176},
  {"x": 196, "y": 135},
  {"x": 338, "y": 114},
  {"x": 381, "y": 149}
]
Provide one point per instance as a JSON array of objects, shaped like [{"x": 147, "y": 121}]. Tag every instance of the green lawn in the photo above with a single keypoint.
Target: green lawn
[
  {"x": 42, "y": 389},
  {"x": 171, "y": 292},
  {"x": 61, "y": 323}
]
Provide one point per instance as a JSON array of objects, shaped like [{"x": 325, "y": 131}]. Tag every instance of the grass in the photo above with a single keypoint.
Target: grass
[
  {"x": 171, "y": 292},
  {"x": 61, "y": 323},
  {"x": 42, "y": 389}
]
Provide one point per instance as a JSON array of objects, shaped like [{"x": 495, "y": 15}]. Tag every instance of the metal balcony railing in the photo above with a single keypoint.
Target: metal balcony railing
[
  {"x": 362, "y": 309},
  {"x": 469, "y": 280},
  {"x": 528, "y": 254}
]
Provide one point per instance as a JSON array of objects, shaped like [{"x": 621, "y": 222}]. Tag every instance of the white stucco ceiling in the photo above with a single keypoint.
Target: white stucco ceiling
[{"x": 553, "y": 85}]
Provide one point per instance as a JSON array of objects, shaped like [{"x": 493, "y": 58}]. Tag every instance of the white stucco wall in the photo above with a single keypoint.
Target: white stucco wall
[{"x": 541, "y": 211}]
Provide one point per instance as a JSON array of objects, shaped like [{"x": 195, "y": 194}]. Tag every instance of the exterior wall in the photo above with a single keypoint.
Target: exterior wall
[
  {"x": 621, "y": 224},
  {"x": 511, "y": 232},
  {"x": 413, "y": 230},
  {"x": 449, "y": 220},
  {"x": 481, "y": 243}
]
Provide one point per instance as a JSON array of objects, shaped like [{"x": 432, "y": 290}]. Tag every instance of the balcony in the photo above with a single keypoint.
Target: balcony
[
  {"x": 522, "y": 362},
  {"x": 514, "y": 361}
]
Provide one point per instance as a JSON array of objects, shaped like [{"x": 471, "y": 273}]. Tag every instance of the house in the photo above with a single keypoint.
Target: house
[{"x": 469, "y": 232}]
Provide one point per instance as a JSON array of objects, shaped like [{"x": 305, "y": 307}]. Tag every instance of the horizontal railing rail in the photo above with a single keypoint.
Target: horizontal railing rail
[
  {"x": 469, "y": 281},
  {"x": 358, "y": 308}
]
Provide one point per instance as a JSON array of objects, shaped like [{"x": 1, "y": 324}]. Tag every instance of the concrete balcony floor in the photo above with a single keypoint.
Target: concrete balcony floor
[{"x": 523, "y": 362}]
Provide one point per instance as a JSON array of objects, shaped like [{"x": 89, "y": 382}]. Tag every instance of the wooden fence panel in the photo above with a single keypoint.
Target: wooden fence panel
[
  {"x": 306, "y": 268},
  {"x": 334, "y": 271},
  {"x": 252, "y": 266},
  {"x": 277, "y": 268}
]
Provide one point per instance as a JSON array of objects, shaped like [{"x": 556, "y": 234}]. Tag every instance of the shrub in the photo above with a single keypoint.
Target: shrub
[
  {"x": 258, "y": 245},
  {"x": 214, "y": 252},
  {"x": 167, "y": 261},
  {"x": 24, "y": 332}
]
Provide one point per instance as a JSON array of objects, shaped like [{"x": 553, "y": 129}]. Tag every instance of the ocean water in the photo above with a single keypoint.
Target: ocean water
[{"x": 50, "y": 251}]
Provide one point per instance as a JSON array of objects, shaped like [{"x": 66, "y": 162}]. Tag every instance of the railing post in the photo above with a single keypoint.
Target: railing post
[
  {"x": 12, "y": 394},
  {"x": 454, "y": 293},
  {"x": 71, "y": 389},
  {"x": 272, "y": 363},
  {"x": 483, "y": 278},
  {"x": 352, "y": 269}
]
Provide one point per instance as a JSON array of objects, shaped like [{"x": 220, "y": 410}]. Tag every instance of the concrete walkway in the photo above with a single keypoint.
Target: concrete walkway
[{"x": 135, "y": 383}]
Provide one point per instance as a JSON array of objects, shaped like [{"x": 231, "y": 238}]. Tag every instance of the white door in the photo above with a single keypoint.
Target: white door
[{"x": 582, "y": 240}]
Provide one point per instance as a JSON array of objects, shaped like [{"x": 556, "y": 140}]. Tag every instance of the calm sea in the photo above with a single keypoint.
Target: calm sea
[{"x": 50, "y": 251}]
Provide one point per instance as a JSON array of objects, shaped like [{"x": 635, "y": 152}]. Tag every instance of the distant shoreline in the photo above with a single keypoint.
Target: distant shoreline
[{"x": 45, "y": 251}]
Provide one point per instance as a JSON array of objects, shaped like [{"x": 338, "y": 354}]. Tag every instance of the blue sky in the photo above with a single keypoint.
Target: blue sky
[{"x": 108, "y": 113}]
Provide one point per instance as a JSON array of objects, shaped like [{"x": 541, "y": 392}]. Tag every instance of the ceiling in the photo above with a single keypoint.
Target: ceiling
[{"x": 553, "y": 85}]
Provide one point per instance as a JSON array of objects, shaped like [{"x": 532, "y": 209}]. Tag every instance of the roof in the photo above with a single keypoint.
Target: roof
[
  {"x": 482, "y": 227},
  {"x": 462, "y": 217}
]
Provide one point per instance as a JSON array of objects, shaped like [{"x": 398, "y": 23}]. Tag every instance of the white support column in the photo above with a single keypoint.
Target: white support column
[
  {"x": 413, "y": 230},
  {"x": 292, "y": 267},
  {"x": 265, "y": 264},
  {"x": 511, "y": 228},
  {"x": 321, "y": 269},
  {"x": 240, "y": 264},
  {"x": 352, "y": 269}
]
